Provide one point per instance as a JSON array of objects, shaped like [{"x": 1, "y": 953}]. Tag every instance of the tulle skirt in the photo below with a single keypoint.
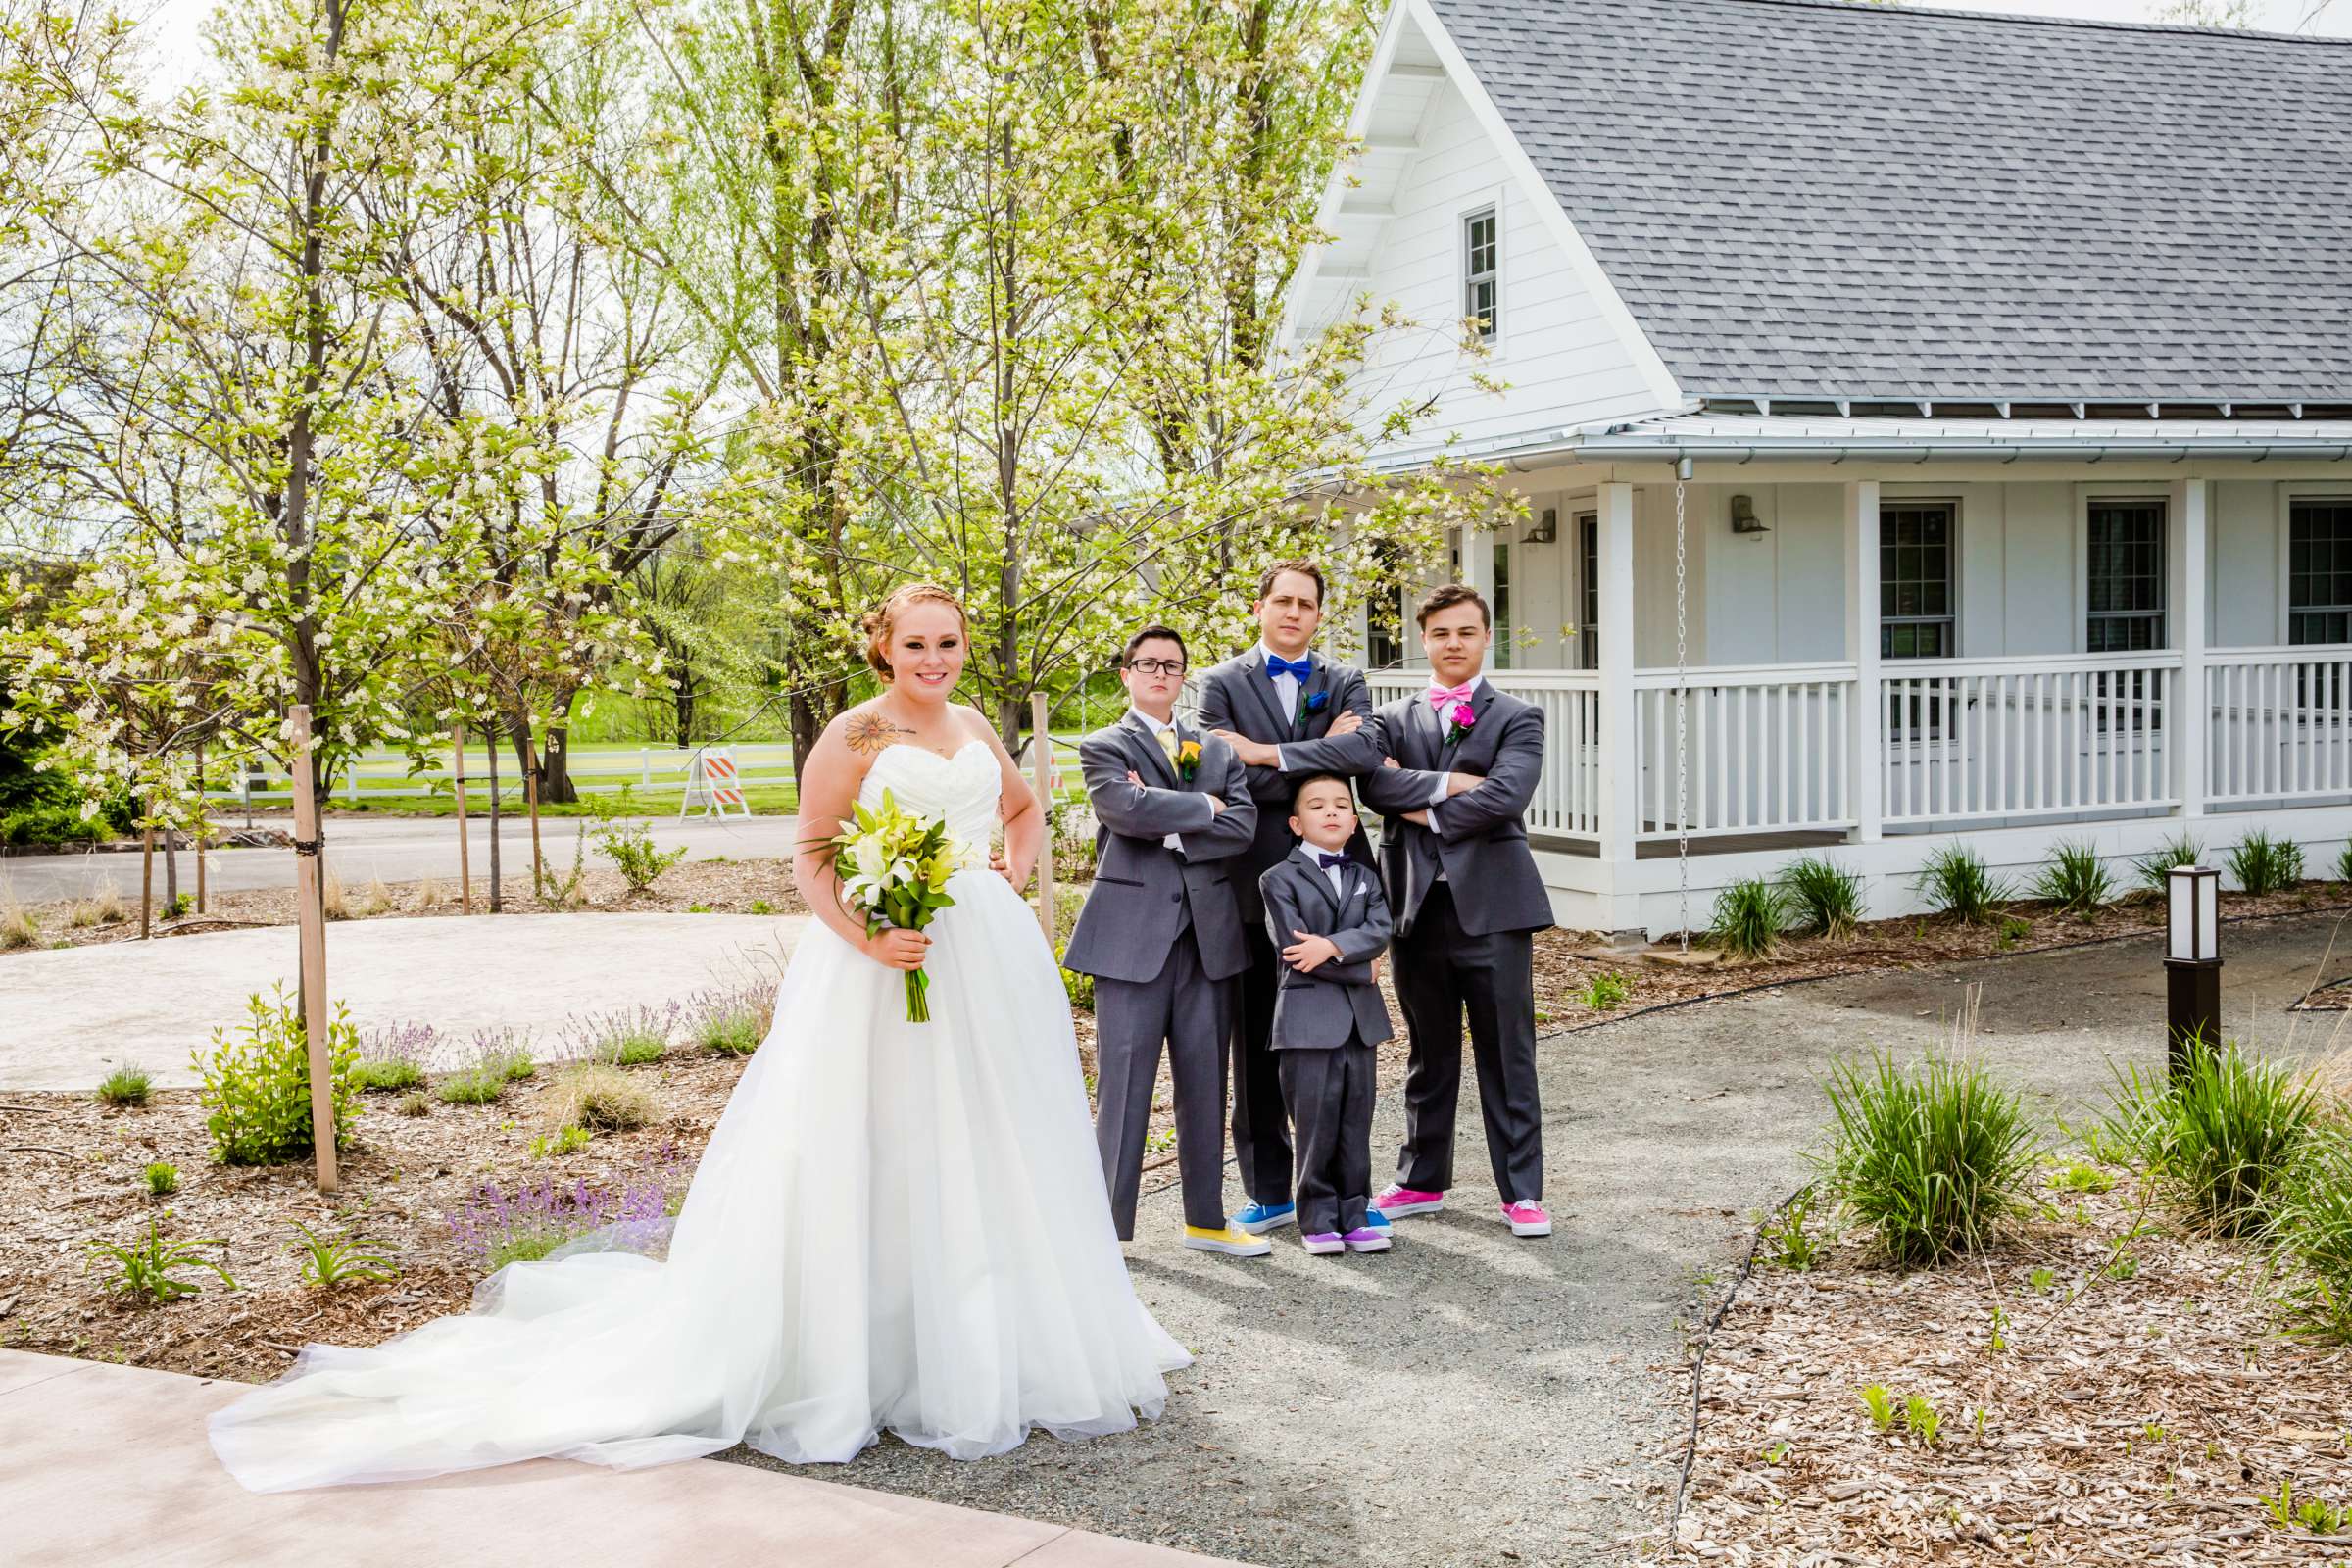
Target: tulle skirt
[{"x": 895, "y": 1226}]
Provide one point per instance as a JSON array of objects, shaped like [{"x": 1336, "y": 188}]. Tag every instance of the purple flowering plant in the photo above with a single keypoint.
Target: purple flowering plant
[{"x": 499, "y": 1226}]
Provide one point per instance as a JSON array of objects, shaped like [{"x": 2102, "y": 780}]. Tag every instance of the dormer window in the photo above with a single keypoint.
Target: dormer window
[{"x": 1482, "y": 256}]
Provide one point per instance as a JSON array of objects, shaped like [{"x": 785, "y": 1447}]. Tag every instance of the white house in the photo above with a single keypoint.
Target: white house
[{"x": 2008, "y": 362}]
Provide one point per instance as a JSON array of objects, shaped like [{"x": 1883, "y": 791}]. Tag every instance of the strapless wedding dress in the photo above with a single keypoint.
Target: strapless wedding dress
[{"x": 895, "y": 1226}]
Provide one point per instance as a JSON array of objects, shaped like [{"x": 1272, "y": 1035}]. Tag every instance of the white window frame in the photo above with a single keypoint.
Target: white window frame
[
  {"x": 2164, "y": 610},
  {"x": 1490, "y": 206},
  {"x": 2289, "y": 493}
]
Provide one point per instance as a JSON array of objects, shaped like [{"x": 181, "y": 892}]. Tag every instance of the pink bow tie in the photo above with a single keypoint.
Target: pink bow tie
[{"x": 1438, "y": 697}]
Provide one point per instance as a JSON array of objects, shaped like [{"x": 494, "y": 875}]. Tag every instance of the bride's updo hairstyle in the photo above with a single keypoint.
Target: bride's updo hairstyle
[{"x": 883, "y": 619}]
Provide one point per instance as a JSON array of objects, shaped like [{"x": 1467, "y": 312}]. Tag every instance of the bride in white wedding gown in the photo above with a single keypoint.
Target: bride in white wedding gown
[{"x": 895, "y": 1226}]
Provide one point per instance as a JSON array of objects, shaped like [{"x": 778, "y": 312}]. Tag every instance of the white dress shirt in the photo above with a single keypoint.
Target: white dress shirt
[
  {"x": 1172, "y": 841},
  {"x": 1331, "y": 873},
  {"x": 1285, "y": 690}
]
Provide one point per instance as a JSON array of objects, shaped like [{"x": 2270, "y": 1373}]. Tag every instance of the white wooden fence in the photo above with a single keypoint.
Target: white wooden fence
[
  {"x": 1765, "y": 749},
  {"x": 2282, "y": 722},
  {"x": 650, "y": 770}
]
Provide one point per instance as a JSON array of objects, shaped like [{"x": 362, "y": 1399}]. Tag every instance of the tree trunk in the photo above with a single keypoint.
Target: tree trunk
[
  {"x": 555, "y": 762},
  {"x": 170, "y": 870}
]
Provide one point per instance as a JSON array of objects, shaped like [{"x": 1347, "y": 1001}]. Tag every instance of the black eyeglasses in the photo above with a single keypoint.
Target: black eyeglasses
[{"x": 1156, "y": 666}]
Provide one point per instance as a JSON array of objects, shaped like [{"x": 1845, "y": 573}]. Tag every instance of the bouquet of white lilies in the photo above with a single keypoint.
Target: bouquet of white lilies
[{"x": 893, "y": 870}]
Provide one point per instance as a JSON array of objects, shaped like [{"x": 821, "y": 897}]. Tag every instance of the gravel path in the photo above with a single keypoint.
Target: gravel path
[{"x": 1469, "y": 1398}]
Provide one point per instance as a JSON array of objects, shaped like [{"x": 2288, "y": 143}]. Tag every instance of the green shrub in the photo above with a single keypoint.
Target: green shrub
[
  {"x": 1932, "y": 1159},
  {"x": 2265, "y": 864},
  {"x": 1750, "y": 917},
  {"x": 392, "y": 1057},
  {"x": 257, "y": 1082},
  {"x": 563, "y": 1141},
  {"x": 2151, "y": 868},
  {"x": 388, "y": 1076},
  {"x": 148, "y": 1271},
  {"x": 1824, "y": 898},
  {"x": 329, "y": 1261},
  {"x": 125, "y": 1086},
  {"x": 2343, "y": 864},
  {"x": 1957, "y": 886},
  {"x": 161, "y": 1179},
  {"x": 2075, "y": 880},
  {"x": 474, "y": 1086},
  {"x": 51, "y": 823},
  {"x": 2219, "y": 1138},
  {"x": 2311, "y": 1236},
  {"x": 732, "y": 1022},
  {"x": 629, "y": 846}
]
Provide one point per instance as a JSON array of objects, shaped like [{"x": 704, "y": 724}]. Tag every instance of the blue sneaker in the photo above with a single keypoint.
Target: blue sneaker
[
  {"x": 1374, "y": 1219},
  {"x": 1260, "y": 1218}
]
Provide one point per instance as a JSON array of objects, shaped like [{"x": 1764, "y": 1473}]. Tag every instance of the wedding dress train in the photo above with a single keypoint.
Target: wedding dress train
[{"x": 894, "y": 1226}]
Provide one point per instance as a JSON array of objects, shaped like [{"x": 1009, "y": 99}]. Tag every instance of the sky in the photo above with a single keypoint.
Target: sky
[{"x": 177, "y": 20}]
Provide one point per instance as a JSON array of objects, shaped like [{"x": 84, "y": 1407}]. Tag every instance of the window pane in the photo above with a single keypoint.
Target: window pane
[{"x": 2319, "y": 570}]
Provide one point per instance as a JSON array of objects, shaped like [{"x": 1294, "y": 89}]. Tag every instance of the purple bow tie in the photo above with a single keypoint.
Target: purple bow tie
[{"x": 1327, "y": 862}]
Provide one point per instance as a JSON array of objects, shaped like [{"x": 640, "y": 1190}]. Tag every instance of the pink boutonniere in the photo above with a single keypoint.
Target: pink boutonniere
[{"x": 1459, "y": 722}]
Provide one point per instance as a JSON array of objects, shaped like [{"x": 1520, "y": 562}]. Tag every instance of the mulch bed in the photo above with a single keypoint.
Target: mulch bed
[
  {"x": 73, "y": 1170},
  {"x": 2135, "y": 1411}
]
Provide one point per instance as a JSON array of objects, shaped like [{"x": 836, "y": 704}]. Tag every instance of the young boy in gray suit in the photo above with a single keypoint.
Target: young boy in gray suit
[{"x": 1328, "y": 920}]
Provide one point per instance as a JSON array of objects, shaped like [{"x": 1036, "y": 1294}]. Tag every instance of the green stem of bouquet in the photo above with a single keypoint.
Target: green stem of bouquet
[{"x": 918, "y": 1001}]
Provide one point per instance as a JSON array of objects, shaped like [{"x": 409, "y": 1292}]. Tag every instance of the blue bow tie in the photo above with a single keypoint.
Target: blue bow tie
[
  {"x": 1276, "y": 665},
  {"x": 1327, "y": 862}
]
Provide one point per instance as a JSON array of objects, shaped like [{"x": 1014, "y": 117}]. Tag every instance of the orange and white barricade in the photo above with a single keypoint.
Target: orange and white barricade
[{"x": 715, "y": 783}]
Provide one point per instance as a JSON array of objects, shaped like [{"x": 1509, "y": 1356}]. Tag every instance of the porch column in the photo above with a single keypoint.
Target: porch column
[
  {"x": 1620, "y": 781},
  {"x": 1865, "y": 746},
  {"x": 1478, "y": 562},
  {"x": 2187, "y": 728}
]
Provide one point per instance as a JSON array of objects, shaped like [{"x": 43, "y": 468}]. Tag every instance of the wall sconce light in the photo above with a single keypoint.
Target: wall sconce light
[
  {"x": 1546, "y": 530},
  {"x": 2192, "y": 961},
  {"x": 1744, "y": 515}
]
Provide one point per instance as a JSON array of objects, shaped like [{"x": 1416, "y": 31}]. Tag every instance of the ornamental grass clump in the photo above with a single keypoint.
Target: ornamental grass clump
[
  {"x": 257, "y": 1082},
  {"x": 2310, "y": 1234},
  {"x": 1933, "y": 1160},
  {"x": 126, "y": 1086},
  {"x": 2219, "y": 1138},
  {"x": 598, "y": 1097},
  {"x": 1750, "y": 917},
  {"x": 1957, "y": 886},
  {"x": 2075, "y": 880},
  {"x": 2263, "y": 865},
  {"x": 1824, "y": 899},
  {"x": 2151, "y": 869}
]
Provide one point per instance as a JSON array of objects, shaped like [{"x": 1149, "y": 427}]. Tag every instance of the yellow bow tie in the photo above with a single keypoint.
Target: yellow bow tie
[{"x": 1167, "y": 741}]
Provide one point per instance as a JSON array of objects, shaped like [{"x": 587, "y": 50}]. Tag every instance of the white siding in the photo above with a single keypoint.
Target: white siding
[
  {"x": 2244, "y": 565},
  {"x": 1562, "y": 360}
]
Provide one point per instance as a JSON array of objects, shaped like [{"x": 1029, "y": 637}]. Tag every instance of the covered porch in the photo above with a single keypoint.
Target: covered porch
[{"x": 2114, "y": 651}]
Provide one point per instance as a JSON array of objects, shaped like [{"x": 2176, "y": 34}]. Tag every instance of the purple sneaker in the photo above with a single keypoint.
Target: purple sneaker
[
  {"x": 1365, "y": 1240},
  {"x": 1324, "y": 1242}
]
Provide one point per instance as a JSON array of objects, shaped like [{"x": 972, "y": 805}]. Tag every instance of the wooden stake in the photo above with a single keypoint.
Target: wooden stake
[
  {"x": 309, "y": 864},
  {"x": 530, "y": 797},
  {"x": 464, "y": 869},
  {"x": 1043, "y": 742},
  {"x": 146, "y": 879},
  {"x": 204, "y": 826}
]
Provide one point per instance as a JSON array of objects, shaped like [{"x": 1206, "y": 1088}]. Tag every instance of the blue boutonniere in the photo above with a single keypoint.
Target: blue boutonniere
[{"x": 1310, "y": 703}]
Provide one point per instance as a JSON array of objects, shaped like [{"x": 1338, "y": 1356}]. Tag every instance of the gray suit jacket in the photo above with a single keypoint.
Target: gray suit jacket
[
  {"x": 1238, "y": 696},
  {"x": 1479, "y": 839},
  {"x": 1144, "y": 892},
  {"x": 1318, "y": 1010}
]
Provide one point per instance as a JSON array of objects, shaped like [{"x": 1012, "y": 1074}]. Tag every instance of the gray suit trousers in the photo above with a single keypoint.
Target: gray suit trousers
[
  {"x": 1331, "y": 1100},
  {"x": 1190, "y": 1013}
]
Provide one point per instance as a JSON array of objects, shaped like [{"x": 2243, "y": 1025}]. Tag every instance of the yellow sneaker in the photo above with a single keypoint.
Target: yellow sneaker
[{"x": 1227, "y": 1241}]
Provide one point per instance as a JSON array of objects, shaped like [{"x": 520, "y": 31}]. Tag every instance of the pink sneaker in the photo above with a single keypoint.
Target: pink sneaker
[
  {"x": 1527, "y": 1218},
  {"x": 1401, "y": 1203}
]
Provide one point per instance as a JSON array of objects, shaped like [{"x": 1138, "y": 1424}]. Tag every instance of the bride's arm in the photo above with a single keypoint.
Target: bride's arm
[
  {"x": 1024, "y": 823},
  {"x": 828, "y": 784}
]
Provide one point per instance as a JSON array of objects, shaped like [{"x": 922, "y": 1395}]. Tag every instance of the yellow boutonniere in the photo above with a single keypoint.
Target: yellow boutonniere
[{"x": 1188, "y": 759}]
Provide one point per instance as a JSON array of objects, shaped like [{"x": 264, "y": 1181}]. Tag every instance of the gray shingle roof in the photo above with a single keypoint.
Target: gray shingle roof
[{"x": 1798, "y": 198}]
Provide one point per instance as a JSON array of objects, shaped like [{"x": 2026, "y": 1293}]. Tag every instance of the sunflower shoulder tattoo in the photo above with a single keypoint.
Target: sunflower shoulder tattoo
[{"x": 870, "y": 733}]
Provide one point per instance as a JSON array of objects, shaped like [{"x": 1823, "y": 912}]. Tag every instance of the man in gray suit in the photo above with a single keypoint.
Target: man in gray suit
[
  {"x": 1328, "y": 920},
  {"x": 1287, "y": 712},
  {"x": 1161, "y": 934},
  {"x": 1462, "y": 766}
]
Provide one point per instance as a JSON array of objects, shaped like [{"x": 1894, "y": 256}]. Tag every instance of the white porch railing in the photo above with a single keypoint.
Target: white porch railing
[
  {"x": 1765, "y": 749},
  {"x": 2282, "y": 722},
  {"x": 1567, "y": 801},
  {"x": 2027, "y": 737}
]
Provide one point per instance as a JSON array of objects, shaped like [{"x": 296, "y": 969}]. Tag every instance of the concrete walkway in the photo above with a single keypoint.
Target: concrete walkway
[
  {"x": 68, "y": 1015},
  {"x": 108, "y": 1464},
  {"x": 398, "y": 849}
]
